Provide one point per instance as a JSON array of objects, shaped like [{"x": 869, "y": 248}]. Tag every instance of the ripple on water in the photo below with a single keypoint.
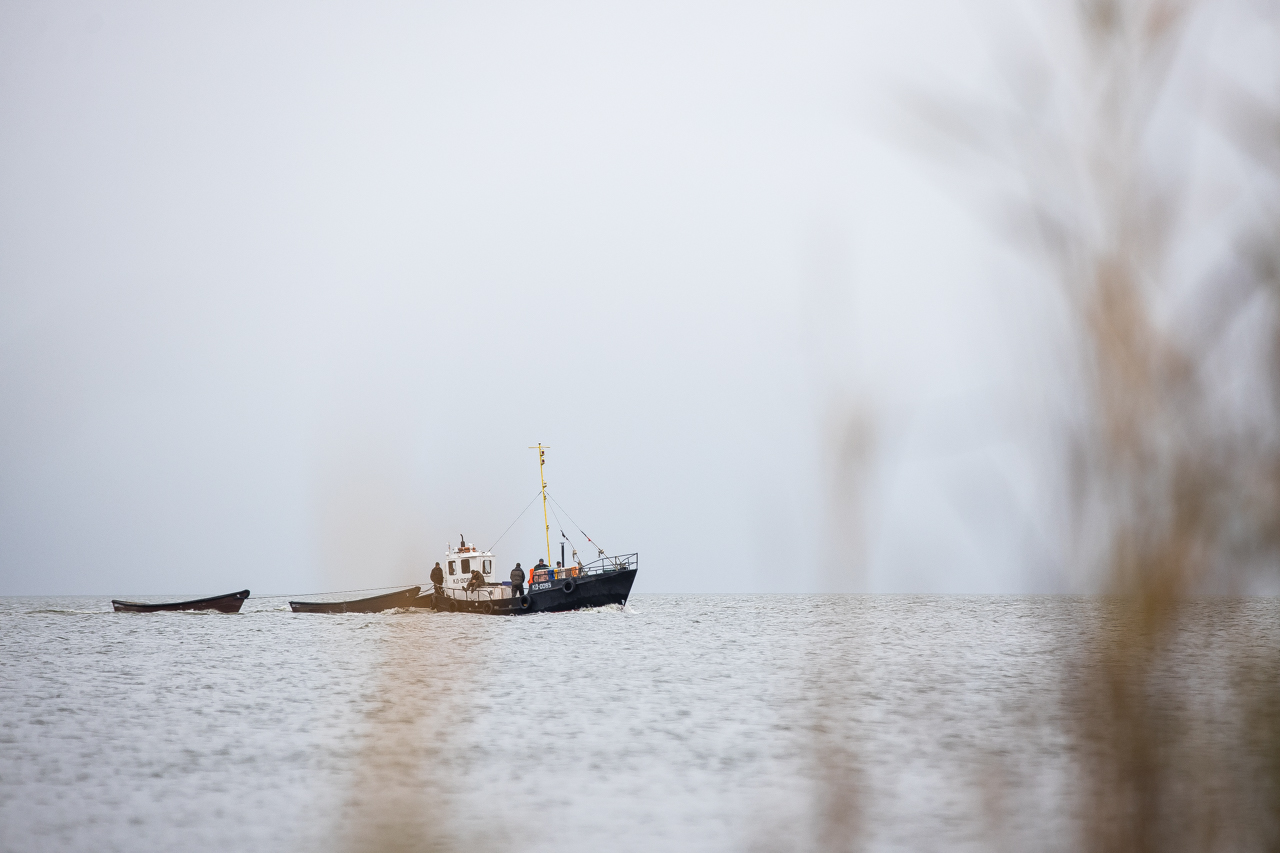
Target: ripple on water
[{"x": 703, "y": 723}]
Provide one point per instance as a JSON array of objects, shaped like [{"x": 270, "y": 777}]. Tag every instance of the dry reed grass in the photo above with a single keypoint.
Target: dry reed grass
[
  {"x": 1173, "y": 492},
  {"x": 404, "y": 795},
  {"x": 1173, "y": 487},
  {"x": 1164, "y": 472}
]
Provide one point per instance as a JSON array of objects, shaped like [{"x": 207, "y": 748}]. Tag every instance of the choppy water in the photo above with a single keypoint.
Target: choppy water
[{"x": 698, "y": 723}]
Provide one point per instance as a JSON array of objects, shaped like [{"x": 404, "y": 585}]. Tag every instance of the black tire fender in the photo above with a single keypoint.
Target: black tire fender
[
  {"x": 525, "y": 601},
  {"x": 569, "y": 586},
  {"x": 448, "y": 605},
  {"x": 487, "y": 607}
]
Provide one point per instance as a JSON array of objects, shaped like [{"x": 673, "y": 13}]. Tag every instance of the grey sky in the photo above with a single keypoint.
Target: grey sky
[{"x": 287, "y": 291}]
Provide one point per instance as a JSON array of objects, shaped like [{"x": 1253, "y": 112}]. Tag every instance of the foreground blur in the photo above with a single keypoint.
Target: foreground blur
[
  {"x": 1144, "y": 719},
  {"x": 1167, "y": 441}
]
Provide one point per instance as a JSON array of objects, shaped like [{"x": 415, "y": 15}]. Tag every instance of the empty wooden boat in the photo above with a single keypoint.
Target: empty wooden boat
[
  {"x": 229, "y": 603},
  {"x": 374, "y": 604}
]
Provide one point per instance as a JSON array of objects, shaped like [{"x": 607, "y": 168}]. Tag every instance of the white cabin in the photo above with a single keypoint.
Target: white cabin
[{"x": 458, "y": 564}]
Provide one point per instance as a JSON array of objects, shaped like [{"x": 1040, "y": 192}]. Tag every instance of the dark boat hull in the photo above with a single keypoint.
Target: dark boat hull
[
  {"x": 549, "y": 597},
  {"x": 374, "y": 604},
  {"x": 230, "y": 603}
]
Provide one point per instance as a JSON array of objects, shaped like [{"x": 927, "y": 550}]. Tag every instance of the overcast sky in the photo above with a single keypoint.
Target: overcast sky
[{"x": 287, "y": 291}]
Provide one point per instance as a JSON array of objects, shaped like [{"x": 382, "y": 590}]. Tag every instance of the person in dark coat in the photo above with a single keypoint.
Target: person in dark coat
[
  {"x": 477, "y": 580},
  {"x": 437, "y": 579},
  {"x": 517, "y": 581}
]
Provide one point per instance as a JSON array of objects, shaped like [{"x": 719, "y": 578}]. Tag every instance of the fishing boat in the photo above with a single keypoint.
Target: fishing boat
[
  {"x": 229, "y": 603},
  {"x": 373, "y": 604},
  {"x": 605, "y": 581},
  {"x": 470, "y": 582}
]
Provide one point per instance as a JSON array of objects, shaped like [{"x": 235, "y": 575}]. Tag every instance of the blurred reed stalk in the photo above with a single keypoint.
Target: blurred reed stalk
[
  {"x": 840, "y": 801},
  {"x": 403, "y": 795},
  {"x": 1174, "y": 485},
  {"x": 1253, "y": 121}
]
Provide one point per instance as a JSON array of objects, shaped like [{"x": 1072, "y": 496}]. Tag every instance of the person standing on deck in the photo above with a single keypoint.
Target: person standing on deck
[
  {"x": 437, "y": 578},
  {"x": 517, "y": 581}
]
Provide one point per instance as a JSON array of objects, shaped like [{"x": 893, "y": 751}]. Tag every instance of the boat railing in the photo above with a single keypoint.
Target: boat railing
[
  {"x": 599, "y": 567},
  {"x": 617, "y": 563},
  {"x": 602, "y": 566},
  {"x": 491, "y": 592}
]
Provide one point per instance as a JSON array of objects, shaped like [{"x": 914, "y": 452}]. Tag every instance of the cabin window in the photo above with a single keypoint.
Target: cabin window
[
  {"x": 466, "y": 567},
  {"x": 488, "y": 567},
  {"x": 453, "y": 570}
]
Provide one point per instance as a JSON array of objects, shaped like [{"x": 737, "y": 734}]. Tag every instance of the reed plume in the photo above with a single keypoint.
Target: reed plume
[{"x": 1172, "y": 483}]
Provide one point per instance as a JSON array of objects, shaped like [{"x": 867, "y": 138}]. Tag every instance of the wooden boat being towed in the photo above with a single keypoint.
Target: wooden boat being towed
[
  {"x": 373, "y": 604},
  {"x": 229, "y": 603}
]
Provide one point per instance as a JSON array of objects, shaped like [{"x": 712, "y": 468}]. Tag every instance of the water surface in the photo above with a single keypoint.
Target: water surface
[{"x": 695, "y": 723}]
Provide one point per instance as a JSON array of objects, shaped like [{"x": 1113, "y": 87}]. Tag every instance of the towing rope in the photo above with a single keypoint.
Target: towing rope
[{"x": 335, "y": 592}]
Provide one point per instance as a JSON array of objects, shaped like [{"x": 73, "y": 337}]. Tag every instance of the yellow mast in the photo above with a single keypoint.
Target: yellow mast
[{"x": 542, "y": 460}]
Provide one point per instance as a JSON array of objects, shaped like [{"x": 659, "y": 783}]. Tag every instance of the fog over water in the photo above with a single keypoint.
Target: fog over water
[
  {"x": 927, "y": 299},
  {"x": 286, "y": 293}
]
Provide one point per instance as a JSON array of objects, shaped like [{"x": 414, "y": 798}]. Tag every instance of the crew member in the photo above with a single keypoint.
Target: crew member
[
  {"x": 476, "y": 580},
  {"x": 437, "y": 578},
  {"x": 517, "y": 581}
]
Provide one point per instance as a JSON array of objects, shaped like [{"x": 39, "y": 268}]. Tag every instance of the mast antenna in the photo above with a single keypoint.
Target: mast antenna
[{"x": 542, "y": 461}]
